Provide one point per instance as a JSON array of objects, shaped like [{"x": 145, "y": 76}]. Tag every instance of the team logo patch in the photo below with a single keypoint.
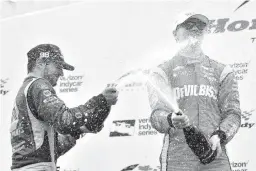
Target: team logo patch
[
  {"x": 42, "y": 86},
  {"x": 47, "y": 93},
  {"x": 78, "y": 115},
  {"x": 177, "y": 68},
  {"x": 195, "y": 90},
  {"x": 207, "y": 69},
  {"x": 44, "y": 54},
  {"x": 180, "y": 70},
  {"x": 67, "y": 117},
  {"x": 52, "y": 99}
]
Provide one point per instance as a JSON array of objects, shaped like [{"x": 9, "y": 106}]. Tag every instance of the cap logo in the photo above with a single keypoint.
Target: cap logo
[{"x": 44, "y": 54}]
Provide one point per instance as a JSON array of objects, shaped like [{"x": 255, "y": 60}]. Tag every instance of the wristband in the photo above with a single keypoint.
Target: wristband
[{"x": 76, "y": 134}]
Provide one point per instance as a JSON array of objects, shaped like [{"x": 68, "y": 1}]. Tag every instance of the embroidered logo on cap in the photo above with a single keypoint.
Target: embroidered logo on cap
[{"x": 44, "y": 54}]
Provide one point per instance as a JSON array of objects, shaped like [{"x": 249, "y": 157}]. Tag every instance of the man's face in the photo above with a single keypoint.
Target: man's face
[
  {"x": 52, "y": 72},
  {"x": 191, "y": 28}
]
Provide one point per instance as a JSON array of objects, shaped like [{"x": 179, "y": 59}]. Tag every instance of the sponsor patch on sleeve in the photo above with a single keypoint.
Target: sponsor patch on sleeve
[
  {"x": 78, "y": 115},
  {"x": 47, "y": 93},
  {"x": 67, "y": 118},
  {"x": 51, "y": 99}
]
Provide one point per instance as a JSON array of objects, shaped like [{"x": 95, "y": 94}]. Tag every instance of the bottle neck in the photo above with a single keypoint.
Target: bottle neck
[{"x": 188, "y": 128}]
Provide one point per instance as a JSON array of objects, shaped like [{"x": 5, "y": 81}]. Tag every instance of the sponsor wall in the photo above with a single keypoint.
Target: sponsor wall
[{"x": 105, "y": 40}]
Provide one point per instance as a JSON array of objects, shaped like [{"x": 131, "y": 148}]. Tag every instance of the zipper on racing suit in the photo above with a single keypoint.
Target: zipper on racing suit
[{"x": 197, "y": 73}]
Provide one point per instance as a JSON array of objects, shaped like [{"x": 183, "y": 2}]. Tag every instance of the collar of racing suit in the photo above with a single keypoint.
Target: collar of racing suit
[{"x": 189, "y": 61}]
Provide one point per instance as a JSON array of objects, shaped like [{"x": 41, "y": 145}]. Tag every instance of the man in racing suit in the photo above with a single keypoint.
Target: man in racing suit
[
  {"x": 42, "y": 126},
  {"x": 207, "y": 94}
]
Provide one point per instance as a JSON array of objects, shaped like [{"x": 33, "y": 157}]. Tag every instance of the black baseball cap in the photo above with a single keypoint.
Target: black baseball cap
[{"x": 50, "y": 51}]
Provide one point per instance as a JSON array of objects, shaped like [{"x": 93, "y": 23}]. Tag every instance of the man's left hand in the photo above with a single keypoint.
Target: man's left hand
[
  {"x": 215, "y": 142},
  {"x": 111, "y": 95}
]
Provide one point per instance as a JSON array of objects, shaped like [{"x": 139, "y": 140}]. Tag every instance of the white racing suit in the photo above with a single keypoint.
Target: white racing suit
[{"x": 207, "y": 92}]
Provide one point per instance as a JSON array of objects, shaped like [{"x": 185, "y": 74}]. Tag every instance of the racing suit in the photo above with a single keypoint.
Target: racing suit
[
  {"x": 207, "y": 92},
  {"x": 43, "y": 128}
]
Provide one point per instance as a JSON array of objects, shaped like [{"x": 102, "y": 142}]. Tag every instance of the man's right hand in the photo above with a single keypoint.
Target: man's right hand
[
  {"x": 180, "y": 121},
  {"x": 110, "y": 94}
]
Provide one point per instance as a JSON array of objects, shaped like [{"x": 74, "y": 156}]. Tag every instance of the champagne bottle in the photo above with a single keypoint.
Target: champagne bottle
[{"x": 198, "y": 143}]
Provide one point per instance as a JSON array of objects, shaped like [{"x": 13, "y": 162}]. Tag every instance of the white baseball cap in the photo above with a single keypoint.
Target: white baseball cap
[{"x": 187, "y": 15}]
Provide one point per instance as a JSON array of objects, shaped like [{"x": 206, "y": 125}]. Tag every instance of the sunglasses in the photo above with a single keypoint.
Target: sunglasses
[{"x": 189, "y": 24}]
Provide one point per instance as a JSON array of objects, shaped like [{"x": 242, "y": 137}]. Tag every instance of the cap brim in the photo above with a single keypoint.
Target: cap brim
[
  {"x": 67, "y": 66},
  {"x": 200, "y": 17}
]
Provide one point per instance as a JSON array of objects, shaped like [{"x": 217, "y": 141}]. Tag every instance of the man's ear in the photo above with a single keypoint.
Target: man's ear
[
  {"x": 40, "y": 63},
  {"x": 175, "y": 35},
  {"x": 207, "y": 30}
]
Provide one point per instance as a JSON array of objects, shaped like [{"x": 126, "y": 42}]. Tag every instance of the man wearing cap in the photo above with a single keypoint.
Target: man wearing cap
[
  {"x": 42, "y": 126},
  {"x": 207, "y": 95}
]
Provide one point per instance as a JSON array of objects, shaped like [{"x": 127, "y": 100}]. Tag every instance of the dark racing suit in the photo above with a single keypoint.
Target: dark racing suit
[
  {"x": 43, "y": 128},
  {"x": 207, "y": 92}
]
